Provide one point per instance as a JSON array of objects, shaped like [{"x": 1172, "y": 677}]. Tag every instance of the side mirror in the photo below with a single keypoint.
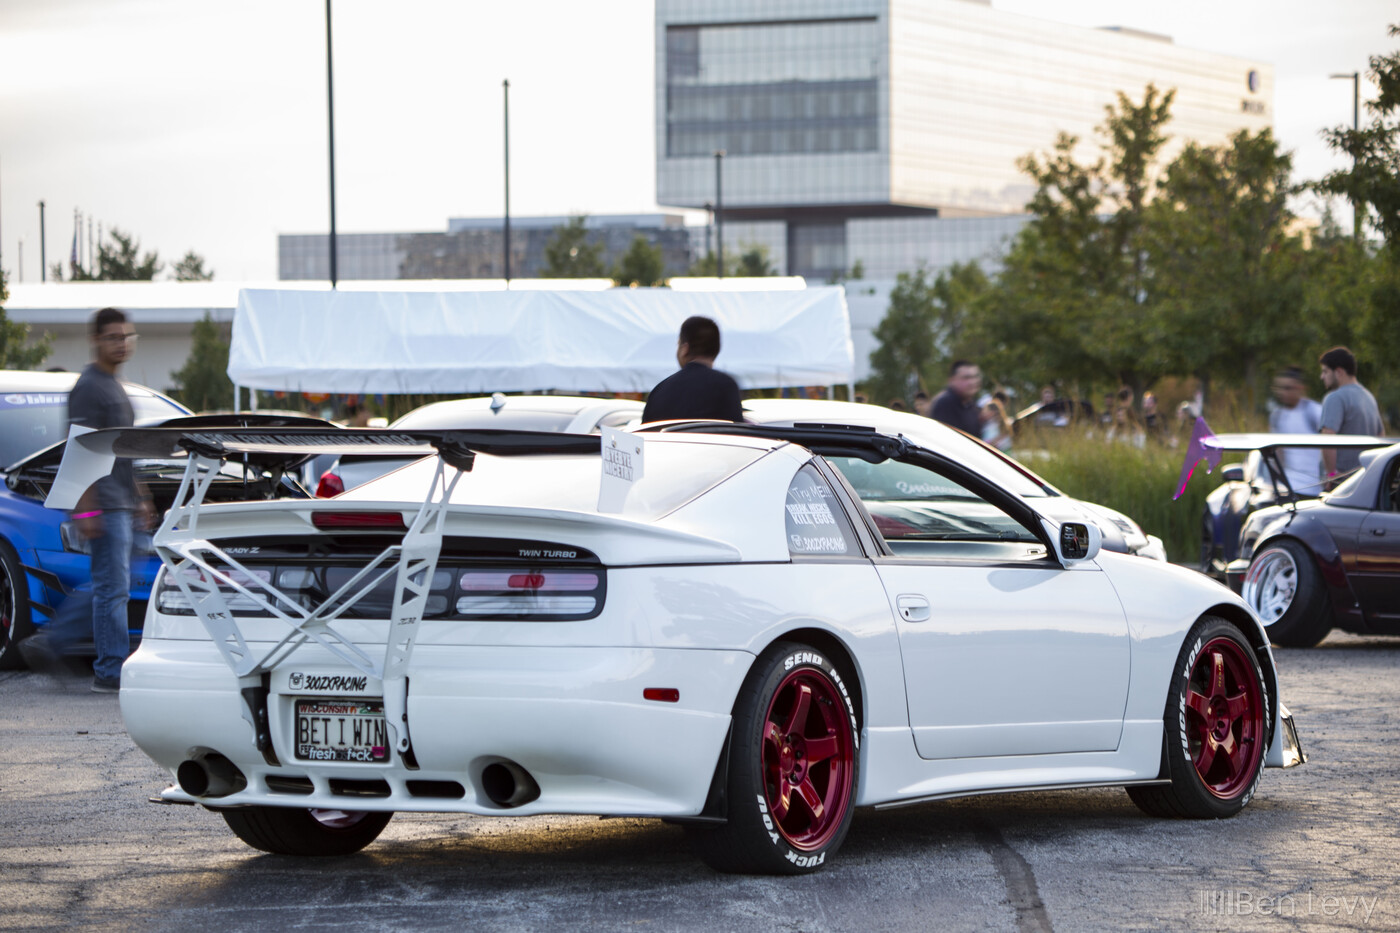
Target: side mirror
[
  {"x": 1232, "y": 472},
  {"x": 1075, "y": 542}
]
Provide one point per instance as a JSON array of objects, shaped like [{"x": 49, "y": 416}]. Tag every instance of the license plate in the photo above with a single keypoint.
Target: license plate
[{"x": 341, "y": 730}]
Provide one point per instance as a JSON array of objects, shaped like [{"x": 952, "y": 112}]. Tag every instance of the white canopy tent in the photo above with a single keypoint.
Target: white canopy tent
[{"x": 619, "y": 340}]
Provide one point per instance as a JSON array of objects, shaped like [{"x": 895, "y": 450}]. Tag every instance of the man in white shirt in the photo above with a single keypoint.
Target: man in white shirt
[{"x": 1297, "y": 414}]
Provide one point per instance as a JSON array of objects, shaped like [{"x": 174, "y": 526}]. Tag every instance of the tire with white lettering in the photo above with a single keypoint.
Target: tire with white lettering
[
  {"x": 300, "y": 831},
  {"x": 1217, "y": 728},
  {"x": 794, "y": 754}
]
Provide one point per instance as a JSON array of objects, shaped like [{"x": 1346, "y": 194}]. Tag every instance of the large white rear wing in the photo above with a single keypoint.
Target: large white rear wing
[{"x": 205, "y": 572}]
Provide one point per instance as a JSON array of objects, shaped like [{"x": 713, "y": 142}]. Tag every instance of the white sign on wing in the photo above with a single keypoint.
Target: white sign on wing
[{"x": 623, "y": 463}]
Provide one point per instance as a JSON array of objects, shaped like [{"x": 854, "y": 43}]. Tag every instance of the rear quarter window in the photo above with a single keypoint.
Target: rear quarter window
[{"x": 816, "y": 523}]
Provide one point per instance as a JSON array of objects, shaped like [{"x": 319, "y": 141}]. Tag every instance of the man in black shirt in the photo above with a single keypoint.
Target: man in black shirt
[
  {"x": 698, "y": 390},
  {"x": 956, "y": 405},
  {"x": 106, "y": 513}
]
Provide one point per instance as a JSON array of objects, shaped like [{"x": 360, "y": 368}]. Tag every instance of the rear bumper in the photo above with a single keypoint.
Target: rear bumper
[{"x": 573, "y": 718}]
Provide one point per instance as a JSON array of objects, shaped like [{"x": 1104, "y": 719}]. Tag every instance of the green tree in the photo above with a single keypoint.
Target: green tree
[
  {"x": 121, "y": 261},
  {"x": 642, "y": 264},
  {"x": 1228, "y": 277},
  {"x": 1074, "y": 300},
  {"x": 753, "y": 262},
  {"x": 1373, "y": 181},
  {"x": 15, "y": 350},
  {"x": 203, "y": 382},
  {"x": 190, "y": 268},
  {"x": 1372, "y": 184},
  {"x": 708, "y": 265},
  {"x": 572, "y": 254},
  {"x": 925, "y": 327}
]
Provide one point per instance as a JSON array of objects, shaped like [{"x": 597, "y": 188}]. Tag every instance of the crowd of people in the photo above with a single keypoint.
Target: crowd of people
[{"x": 1347, "y": 408}]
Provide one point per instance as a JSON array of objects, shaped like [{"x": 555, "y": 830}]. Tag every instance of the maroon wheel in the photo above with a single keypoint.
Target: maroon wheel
[
  {"x": 808, "y": 758},
  {"x": 1217, "y": 727},
  {"x": 1224, "y": 718},
  {"x": 792, "y": 767}
]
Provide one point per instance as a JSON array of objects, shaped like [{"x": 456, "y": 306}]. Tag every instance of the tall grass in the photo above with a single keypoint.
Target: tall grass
[{"x": 1137, "y": 481}]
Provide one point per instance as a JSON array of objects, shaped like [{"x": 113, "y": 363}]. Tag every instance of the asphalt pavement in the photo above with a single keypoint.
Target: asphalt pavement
[{"x": 82, "y": 849}]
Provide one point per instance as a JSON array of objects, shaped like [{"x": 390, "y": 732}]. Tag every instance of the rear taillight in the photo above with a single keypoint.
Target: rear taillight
[
  {"x": 367, "y": 521},
  {"x": 457, "y": 592},
  {"x": 330, "y": 485}
]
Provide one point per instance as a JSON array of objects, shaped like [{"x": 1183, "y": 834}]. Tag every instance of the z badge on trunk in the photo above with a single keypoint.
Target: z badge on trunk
[{"x": 342, "y": 730}]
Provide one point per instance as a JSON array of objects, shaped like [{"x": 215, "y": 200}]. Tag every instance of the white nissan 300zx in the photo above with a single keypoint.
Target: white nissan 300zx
[{"x": 711, "y": 628}]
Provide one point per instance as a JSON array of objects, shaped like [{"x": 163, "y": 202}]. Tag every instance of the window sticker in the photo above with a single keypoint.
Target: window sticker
[{"x": 815, "y": 522}]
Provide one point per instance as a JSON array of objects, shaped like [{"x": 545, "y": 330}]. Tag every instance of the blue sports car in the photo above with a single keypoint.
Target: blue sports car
[{"x": 43, "y": 560}]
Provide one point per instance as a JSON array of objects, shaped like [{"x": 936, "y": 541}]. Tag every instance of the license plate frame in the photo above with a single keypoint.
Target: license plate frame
[{"x": 321, "y": 726}]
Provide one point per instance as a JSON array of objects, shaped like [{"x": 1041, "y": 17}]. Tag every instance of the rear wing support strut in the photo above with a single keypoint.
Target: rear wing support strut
[{"x": 204, "y": 572}]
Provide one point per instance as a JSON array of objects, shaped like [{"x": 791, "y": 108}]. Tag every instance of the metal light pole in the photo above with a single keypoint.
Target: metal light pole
[
  {"x": 505, "y": 90},
  {"x": 43, "y": 257},
  {"x": 719, "y": 212},
  {"x": 1355, "y": 79},
  {"x": 330, "y": 127}
]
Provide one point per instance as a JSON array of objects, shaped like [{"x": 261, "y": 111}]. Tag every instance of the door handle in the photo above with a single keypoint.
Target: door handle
[
  {"x": 913, "y": 608},
  {"x": 1378, "y": 532}
]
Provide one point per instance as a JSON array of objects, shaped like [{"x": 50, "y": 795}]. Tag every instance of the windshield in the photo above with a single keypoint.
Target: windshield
[{"x": 31, "y": 421}]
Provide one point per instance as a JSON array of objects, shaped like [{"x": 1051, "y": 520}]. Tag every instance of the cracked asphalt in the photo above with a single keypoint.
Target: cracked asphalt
[{"x": 81, "y": 849}]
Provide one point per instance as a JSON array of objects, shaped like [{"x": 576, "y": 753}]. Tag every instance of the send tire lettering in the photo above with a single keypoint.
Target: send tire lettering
[{"x": 793, "y": 767}]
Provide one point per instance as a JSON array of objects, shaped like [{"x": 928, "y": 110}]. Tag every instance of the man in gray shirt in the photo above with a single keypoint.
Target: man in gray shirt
[
  {"x": 1347, "y": 409},
  {"x": 107, "y": 511}
]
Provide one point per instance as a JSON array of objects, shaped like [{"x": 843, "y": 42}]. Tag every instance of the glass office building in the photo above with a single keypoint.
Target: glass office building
[
  {"x": 472, "y": 248},
  {"x": 851, "y": 129}
]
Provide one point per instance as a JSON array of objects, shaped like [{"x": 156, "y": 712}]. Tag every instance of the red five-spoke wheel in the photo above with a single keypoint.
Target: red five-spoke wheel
[
  {"x": 791, "y": 775},
  {"x": 1224, "y": 718},
  {"x": 807, "y": 759},
  {"x": 1216, "y": 727}
]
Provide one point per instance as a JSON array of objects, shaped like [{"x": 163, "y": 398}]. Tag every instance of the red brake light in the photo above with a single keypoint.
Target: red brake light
[
  {"x": 525, "y": 581},
  {"x": 330, "y": 485},
  {"x": 380, "y": 521}
]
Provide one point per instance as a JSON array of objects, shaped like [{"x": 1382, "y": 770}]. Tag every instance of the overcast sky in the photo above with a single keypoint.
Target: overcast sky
[{"x": 202, "y": 125}]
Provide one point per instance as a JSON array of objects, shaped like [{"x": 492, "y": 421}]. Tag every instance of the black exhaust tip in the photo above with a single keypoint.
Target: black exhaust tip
[
  {"x": 506, "y": 784},
  {"x": 210, "y": 775}
]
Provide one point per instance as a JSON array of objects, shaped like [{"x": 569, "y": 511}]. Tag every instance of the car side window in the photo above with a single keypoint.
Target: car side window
[
  {"x": 1390, "y": 493},
  {"x": 816, "y": 523},
  {"x": 921, "y": 512}
]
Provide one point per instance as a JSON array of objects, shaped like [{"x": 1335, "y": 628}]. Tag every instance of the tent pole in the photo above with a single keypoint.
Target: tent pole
[{"x": 237, "y": 394}]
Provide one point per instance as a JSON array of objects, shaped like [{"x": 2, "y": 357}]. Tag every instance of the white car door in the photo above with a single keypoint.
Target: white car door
[{"x": 1006, "y": 652}]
